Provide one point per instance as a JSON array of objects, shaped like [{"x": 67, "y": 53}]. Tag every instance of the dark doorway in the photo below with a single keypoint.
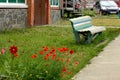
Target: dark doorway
[{"x": 40, "y": 12}]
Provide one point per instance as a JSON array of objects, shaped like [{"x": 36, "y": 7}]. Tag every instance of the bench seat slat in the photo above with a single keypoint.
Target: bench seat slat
[
  {"x": 82, "y": 25},
  {"x": 93, "y": 29},
  {"x": 81, "y": 21},
  {"x": 80, "y": 18}
]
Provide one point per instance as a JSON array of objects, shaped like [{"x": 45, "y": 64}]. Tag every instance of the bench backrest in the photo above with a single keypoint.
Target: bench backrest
[{"x": 81, "y": 22}]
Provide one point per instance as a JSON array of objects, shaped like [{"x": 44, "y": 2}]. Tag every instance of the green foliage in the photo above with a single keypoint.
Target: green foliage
[
  {"x": 31, "y": 41},
  {"x": 89, "y": 12}
]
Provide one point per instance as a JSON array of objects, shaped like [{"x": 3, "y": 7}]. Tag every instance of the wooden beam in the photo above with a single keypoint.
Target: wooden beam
[
  {"x": 30, "y": 18},
  {"x": 73, "y": 5}
]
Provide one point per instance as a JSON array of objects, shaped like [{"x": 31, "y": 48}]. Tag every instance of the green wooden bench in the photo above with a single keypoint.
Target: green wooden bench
[{"x": 83, "y": 25}]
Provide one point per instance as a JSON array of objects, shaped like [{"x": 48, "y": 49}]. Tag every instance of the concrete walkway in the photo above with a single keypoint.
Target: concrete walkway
[{"x": 106, "y": 66}]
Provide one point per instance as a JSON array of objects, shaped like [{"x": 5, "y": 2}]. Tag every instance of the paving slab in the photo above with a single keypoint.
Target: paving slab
[{"x": 106, "y": 66}]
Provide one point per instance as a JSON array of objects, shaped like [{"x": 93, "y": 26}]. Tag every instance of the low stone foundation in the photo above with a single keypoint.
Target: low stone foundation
[
  {"x": 12, "y": 18},
  {"x": 55, "y": 16}
]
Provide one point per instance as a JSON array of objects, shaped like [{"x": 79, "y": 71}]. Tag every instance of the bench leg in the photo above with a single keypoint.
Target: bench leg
[
  {"x": 88, "y": 38},
  {"x": 100, "y": 33},
  {"x": 95, "y": 35},
  {"x": 77, "y": 37}
]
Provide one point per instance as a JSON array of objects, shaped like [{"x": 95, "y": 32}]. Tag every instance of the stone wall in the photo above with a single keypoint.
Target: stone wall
[
  {"x": 55, "y": 16},
  {"x": 12, "y": 18}
]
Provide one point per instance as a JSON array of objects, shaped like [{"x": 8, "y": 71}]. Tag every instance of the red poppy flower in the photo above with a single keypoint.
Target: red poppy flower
[
  {"x": 34, "y": 56},
  {"x": 16, "y": 55},
  {"x": 53, "y": 49},
  {"x": 71, "y": 51},
  {"x": 76, "y": 63},
  {"x": 63, "y": 74},
  {"x": 69, "y": 72},
  {"x": 68, "y": 60},
  {"x": 13, "y": 49},
  {"x": 3, "y": 51},
  {"x": 47, "y": 56},
  {"x": 53, "y": 56},
  {"x": 65, "y": 49},
  {"x": 41, "y": 52},
  {"x": 45, "y": 48},
  {"x": 61, "y": 49},
  {"x": 64, "y": 69},
  {"x": 58, "y": 59}
]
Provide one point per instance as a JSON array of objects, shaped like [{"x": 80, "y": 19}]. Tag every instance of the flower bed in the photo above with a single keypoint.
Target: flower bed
[{"x": 48, "y": 64}]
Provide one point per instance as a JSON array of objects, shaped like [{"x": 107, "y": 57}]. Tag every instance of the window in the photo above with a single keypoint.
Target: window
[
  {"x": 21, "y": 1},
  {"x": 2, "y": 1},
  {"x": 13, "y": 4},
  {"x": 12, "y": 1},
  {"x": 54, "y": 3}
]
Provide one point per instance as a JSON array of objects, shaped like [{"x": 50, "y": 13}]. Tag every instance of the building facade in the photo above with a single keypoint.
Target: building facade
[{"x": 22, "y": 13}]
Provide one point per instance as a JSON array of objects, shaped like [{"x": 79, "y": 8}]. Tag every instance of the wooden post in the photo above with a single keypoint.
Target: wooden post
[
  {"x": 73, "y": 5},
  {"x": 62, "y": 10},
  {"x": 48, "y": 11},
  {"x": 65, "y": 4},
  {"x": 30, "y": 18}
]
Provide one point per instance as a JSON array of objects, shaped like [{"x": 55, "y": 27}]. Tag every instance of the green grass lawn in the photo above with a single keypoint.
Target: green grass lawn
[
  {"x": 104, "y": 20},
  {"x": 31, "y": 42},
  {"x": 107, "y": 20}
]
